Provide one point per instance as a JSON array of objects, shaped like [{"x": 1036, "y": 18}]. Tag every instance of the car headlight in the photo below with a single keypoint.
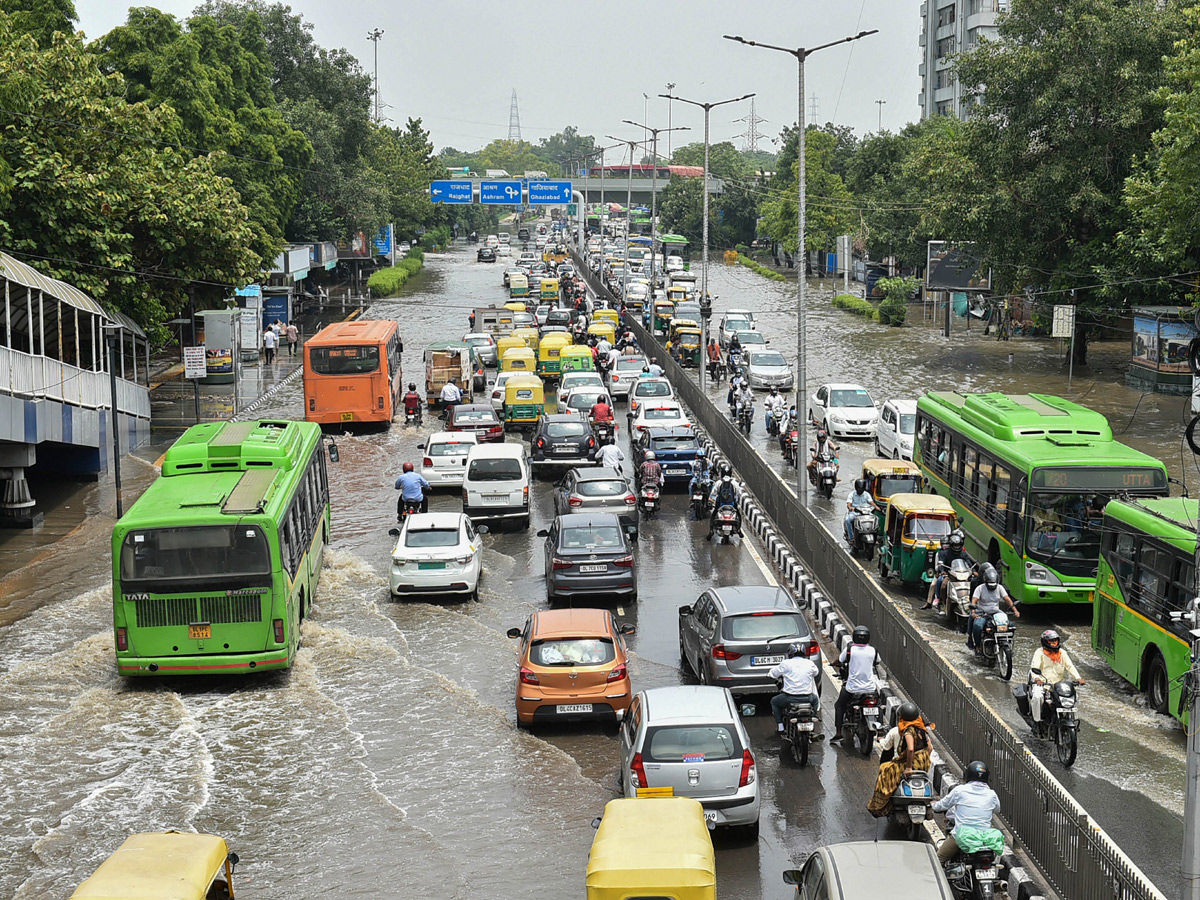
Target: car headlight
[{"x": 834, "y": 417}]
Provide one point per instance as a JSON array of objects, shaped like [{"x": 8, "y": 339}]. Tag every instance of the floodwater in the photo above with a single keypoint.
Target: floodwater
[{"x": 387, "y": 762}]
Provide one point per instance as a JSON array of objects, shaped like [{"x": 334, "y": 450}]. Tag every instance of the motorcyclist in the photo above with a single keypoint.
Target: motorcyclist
[
  {"x": 858, "y": 661},
  {"x": 953, "y": 549},
  {"x": 610, "y": 456},
  {"x": 724, "y": 493},
  {"x": 990, "y": 597},
  {"x": 823, "y": 446},
  {"x": 700, "y": 470},
  {"x": 790, "y": 423},
  {"x": 412, "y": 486},
  {"x": 650, "y": 472},
  {"x": 412, "y": 402},
  {"x": 773, "y": 405},
  {"x": 451, "y": 395},
  {"x": 656, "y": 370},
  {"x": 601, "y": 411},
  {"x": 971, "y": 805},
  {"x": 856, "y": 498},
  {"x": 904, "y": 749},
  {"x": 801, "y": 682},
  {"x": 745, "y": 398},
  {"x": 1050, "y": 664}
]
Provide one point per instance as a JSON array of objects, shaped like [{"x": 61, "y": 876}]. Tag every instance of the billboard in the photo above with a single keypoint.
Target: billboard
[
  {"x": 955, "y": 267},
  {"x": 1160, "y": 342},
  {"x": 357, "y": 246}
]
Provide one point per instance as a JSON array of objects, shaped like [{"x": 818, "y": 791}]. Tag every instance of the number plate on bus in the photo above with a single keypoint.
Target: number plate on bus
[
  {"x": 348, "y": 417},
  {"x": 199, "y": 630}
]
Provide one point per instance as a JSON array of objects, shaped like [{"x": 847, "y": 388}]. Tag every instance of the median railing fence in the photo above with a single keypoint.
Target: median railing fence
[{"x": 1080, "y": 860}]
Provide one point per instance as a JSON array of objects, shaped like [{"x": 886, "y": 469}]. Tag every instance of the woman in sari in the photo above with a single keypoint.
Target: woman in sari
[{"x": 905, "y": 749}]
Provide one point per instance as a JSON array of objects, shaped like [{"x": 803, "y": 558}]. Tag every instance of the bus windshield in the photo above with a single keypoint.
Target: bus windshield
[
  {"x": 1064, "y": 530},
  {"x": 347, "y": 360},
  {"x": 202, "y": 553}
]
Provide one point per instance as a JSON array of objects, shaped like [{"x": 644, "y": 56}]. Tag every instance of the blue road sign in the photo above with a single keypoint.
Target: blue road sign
[
  {"x": 450, "y": 191},
  {"x": 500, "y": 192},
  {"x": 546, "y": 192}
]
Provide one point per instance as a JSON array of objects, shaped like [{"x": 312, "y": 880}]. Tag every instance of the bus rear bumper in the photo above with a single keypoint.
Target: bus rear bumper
[{"x": 223, "y": 664}]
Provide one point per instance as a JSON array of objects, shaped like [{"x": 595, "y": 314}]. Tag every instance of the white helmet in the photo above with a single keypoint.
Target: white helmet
[{"x": 650, "y": 456}]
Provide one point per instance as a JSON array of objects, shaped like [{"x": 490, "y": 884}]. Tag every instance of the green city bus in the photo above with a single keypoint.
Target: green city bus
[
  {"x": 1146, "y": 572},
  {"x": 1029, "y": 475},
  {"x": 666, "y": 245},
  {"x": 216, "y": 564}
]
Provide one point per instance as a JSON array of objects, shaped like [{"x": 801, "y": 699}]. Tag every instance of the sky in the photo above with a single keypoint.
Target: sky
[{"x": 587, "y": 63}]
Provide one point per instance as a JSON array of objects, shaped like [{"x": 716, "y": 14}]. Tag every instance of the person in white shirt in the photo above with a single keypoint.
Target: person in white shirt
[
  {"x": 774, "y": 406},
  {"x": 858, "y": 661},
  {"x": 270, "y": 342},
  {"x": 801, "y": 682},
  {"x": 656, "y": 370},
  {"x": 451, "y": 395},
  {"x": 610, "y": 456}
]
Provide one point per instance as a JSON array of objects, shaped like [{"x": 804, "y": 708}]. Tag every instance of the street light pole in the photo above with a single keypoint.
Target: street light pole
[
  {"x": 801, "y": 54},
  {"x": 628, "y": 207},
  {"x": 670, "y": 109},
  {"x": 880, "y": 103},
  {"x": 654, "y": 191},
  {"x": 374, "y": 36},
  {"x": 111, "y": 337},
  {"x": 704, "y": 298}
]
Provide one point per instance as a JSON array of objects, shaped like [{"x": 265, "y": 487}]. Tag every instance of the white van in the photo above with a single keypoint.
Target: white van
[{"x": 496, "y": 483}]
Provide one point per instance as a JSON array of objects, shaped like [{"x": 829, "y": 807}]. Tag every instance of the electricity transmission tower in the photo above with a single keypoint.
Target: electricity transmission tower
[
  {"x": 514, "y": 119},
  {"x": 813, "y": 106},
  {"x": 751, "y": 134}
]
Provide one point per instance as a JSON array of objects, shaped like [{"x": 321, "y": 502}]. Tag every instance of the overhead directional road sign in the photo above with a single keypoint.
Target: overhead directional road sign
[
  {"x": 450, "y": 191},
  {"x": 500, "y": 192},
  {"x": 549, "y": 192}
]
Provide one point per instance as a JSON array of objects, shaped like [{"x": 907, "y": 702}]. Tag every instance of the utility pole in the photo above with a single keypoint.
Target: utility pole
[
  {"x": 112, "y": 336},
  {"x": 705, "y": 300},
  {"x": 628, "y": 207},
  {"x": 373, "y": 37},
  {"x": 801, "y": 54},
  {"x": 880, "y": 103},
  {"x": 654, "y": 196},
  {"x": 670, "y": 109},
  {"x": 751, "y": 134}
]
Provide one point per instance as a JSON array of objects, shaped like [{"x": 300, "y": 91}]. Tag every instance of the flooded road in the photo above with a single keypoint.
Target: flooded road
[
  {"x": 387, "y": 762},
  {"x": 1131, "y": 765}
]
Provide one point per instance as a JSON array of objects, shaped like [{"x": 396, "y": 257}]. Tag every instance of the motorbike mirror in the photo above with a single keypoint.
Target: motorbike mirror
[
  {"x": 543, "y": 532},
  {"x": 233, "y": 859},
  {"x": 513, "y": 632},
  {"x": 482, "y": 529},
  {"x": 596, "y": 822},
  {"x": 791, "y": 876},
  {"x": 627, "y": 628},
  {"x": 748, "y": 709},
  {"x": 333, "y": 451},
  {"x": 394, "y": 532}
]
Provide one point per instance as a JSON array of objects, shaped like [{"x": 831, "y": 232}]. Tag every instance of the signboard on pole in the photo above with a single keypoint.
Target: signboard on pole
[
  {"x": 195, "y": 364},
  {"x": 500, "y": 192},
  {"x": 549, "y": 192},
  {"x": 450, "y": 192},
  {"x": 383, "y": 241},
  {"x": 955, "y": 268},
  {"x": 1063, "y": 324}
]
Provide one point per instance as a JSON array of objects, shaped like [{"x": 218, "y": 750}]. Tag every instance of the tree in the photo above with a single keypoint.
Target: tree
[
  {"x": 404, "y": 162},
  {"x": 681, "y": 208},
  {"x": 829, "y": 206},
  {"x": 724, "y": 159},
  {"x": 566, "y": 146},
  {"x": 41, "y": 19},
  {"x": 844, "y": 147},
  {"x": 515, "y": 158}
]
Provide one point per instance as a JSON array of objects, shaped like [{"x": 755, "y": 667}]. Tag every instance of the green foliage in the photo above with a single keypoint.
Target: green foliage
[
  {"x": 758, "y": 267},
  {"x": 565, "y": 149},
  {"x": 436, "y": 238},
  {"x": 724, "y": 159},
  {"x": 387, "y": 282},
  {"x": 103, "y": 211},
  {"x": 403, "y": 162},
  {"x": 41, "y": 19},
  {"x": 858, "y": 306},
  {"x": 829, "y": 203},
  {"x": 893, "y": 310}
]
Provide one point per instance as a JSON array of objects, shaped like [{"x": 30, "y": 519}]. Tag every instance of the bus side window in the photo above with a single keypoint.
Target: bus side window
[
  {"x": 1179, "y": 596},
  {"x": 970, "y": 469},
  {"x": 1151, "y": 581}
]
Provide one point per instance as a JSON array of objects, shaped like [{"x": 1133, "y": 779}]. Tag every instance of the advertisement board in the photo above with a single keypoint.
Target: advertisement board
[
  {"x": 357, "y": 246},
  {"x": 955, "y": 267}
]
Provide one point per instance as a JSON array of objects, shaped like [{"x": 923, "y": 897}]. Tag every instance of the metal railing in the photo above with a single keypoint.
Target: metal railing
[
  {"x": 1079, "y": 859},
  {"x": 39, "y": 377}
]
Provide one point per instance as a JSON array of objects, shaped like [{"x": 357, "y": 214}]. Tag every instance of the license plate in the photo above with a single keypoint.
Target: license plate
[
  {"x": 575, "y": 708},
  {"x": 986, "y": 874},
  {"x": 710, "y": 816},
  {"x": 766, "y": 660},
  {"x": 871, "y": 711},
  {"x": 592, "y": 569},
  {"x": 200, "y": 631},
  {"x": 495, "y": 498},
  {"x": 431, "y": 565},
  {"x": 348, "y": 417},
  {"x": 561, "y": 448},
  {"x": 804, "y": 726},
  {"x": 677, "y": 471}
]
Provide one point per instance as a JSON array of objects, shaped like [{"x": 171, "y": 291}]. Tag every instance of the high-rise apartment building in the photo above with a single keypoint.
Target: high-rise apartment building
[{"x": 949, "y": 27}]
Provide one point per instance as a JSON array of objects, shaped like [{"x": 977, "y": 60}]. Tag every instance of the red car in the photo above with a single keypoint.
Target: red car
[{"x": 479, "y": 418}]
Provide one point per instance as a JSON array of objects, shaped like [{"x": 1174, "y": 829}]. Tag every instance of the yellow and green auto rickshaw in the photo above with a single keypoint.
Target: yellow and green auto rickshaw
[
  {"x": 677, "y": 293},
  {"x": 603, "y": 330},
  {"x": 181, "y": 866},
  {"x": 549, "y": 365},
  {"x": 529, "y": 335},
  {"x": 676, "y": 324},
  {"x": 652, "y": 847},
  {"x": 912, "y": 536},
  {"x": 885, "y": 477},
  {"x": 576, "y": 359},
  {"x": 548, "y": 289},
  {"x": 518, "y": 285},
  {"x": 524, "y": 401},
  {"x": 519, "y": 359},
  {"x": 509, "y": 342},
  {"x": 688, "y": 340},
  {"x": 664, "y": 311},
  {"x": 611, "y": 316}
]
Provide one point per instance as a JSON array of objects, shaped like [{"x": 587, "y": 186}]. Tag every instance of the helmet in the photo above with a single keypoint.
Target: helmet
[
  {"x": 774, "y": 391},
  {"x": 795, "y": 649},
  {"x": 976, "y": 771},
  {"x": 909, "y": 711},
  {"x": 646, "y": 369},
  {"x": 408, "y": 467},
  {"x": 412, "y": 385},
  {"x": 822, "y": 434},
  {"x": 726, "y": 471},
  {"x": 860, "y": 485},
  {"x": 956, "y": 541},
  {"x": 701, "y": 453},
  {"x": 1051, "y": 640},
  {"x": 861, "y": 634},
  {"x": 650, "y": 456},
  {"x": 990, "y": 576}
]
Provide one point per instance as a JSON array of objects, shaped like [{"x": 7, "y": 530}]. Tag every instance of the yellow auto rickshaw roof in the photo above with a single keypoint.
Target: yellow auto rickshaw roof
[
  {"x": 670, "y": 303},
  {"x": 919, "y": 503},
  {"x": 580, "y": 350},
  {"x": 524, "y": 332},
  {"x": 557, "y": 338},
  {"x": 875, "y": 467},
  {"x": 602, "y": 324},
  {"x": 553, "y": 281},
  {"x": 523, "y": 380},
  {"x": 650, "y": 842},
  {"x": 689, "y": 329},
  {"x": 169, "y": 866},
  {"x": 606, "y": 315},
  {"x": 521, "y": 352}
]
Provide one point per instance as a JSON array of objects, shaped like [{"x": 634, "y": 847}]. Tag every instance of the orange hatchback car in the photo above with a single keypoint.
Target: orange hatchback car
[{"x": 572, "y": 666}]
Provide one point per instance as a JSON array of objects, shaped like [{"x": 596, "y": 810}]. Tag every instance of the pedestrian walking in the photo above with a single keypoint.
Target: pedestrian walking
[
  {"x": 270, "y": 342},
  {"x": 293, "y": 337},
  {"x": 277, "y": 327}
]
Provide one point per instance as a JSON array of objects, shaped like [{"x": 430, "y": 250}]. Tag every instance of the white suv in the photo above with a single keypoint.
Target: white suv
[{"x": 897, "y": 425}]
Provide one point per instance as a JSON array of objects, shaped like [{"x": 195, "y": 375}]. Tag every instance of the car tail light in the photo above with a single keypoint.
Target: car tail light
[
  {"x": 525, "y": 495},
  {"x": 495, "y": 395},
  {"x": 619, "y": 673},
  {"x": 381, "y": 403},
  {"x": 528, "y": 676},
  {"x": 625, "y": 562},
  {"x": 123, "y": 640},
  {"x": 464, "y": 560},
  {"x": 813, "y": 649},
  {"x": 541, "y": 442},
  {"x": 312, "y": 404},
  {"x": 719, "y": 652},
  {"x": 630, "y": 500},
  {"x": 278, "y": 623},
  {"x": 560, "y": 563},
  {"x": 616, "y": 377},
  {"x": 466, "y": 498},
  {"x": 749, "y": 770},
  {"x": 591, "y": 442},
  {"x": 427, "y": 462},
  {"x": 637, "y": 771},
  {"x": 574, "y": 501}
]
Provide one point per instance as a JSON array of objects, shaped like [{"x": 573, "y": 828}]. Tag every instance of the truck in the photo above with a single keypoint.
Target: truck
[
  {"x": 446, "y": 360},
  {"x": 498, "y": 322}
]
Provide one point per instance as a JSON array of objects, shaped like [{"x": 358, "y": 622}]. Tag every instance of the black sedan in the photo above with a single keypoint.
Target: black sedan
[
  {"x": 588, "y": 554},
  {"x": 563, "y": 440},
  {"x": 485, "y": 254}
]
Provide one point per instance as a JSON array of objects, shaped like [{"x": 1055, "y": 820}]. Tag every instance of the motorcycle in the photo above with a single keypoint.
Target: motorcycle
[
  {"x": 407, "y": 508},
  {"x": 727, "y": 521},
  {"x": 974, "y": 877},
  {"x": 865, "y": 528},
  {"x": 864, "y": 720},
  {"x": 996, "y": 642},
  {"x": 745, "y": 417},
  {"x": 605, "y": 431},
  {"x": 772, "y": 423},
  {"x": 911, "y": 802},
  {"x": 824, "y": 475},
  {"x": 959, "y": 584},
  {"x": 799, "y": 725},
  {"x": 1059, "y": 720},
  {"x": 648, "y": 499},
  {"x": 788, "y": 443},
  {"x": 700, "y": 489},
  {"x": 412, "y": 416}
]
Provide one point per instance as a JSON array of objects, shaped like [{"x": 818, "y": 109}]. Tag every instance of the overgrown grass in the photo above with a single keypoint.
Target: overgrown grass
[
  {"x": 760, "y": 268},
  {"x": 387, "y": 282},
  {"x": 857, "y": 305}
]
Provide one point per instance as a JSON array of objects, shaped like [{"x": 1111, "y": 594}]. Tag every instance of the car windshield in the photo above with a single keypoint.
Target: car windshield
[
  {"x": 564, "y": 429},
  {"x": 615, "y": 488},
  {"x": 504, "y": 469},
  {"x": 751, "y": 337},
  {"x": 585, "y": 399},
  {"x": 572, "y": 652},
  {"x": 768, "y": 358},
  {"x": 591, "y": 537},
  {"x": 670, "y": 442},
  {"x": 629, "y": 364},
  {"x": 666, "y": 412},
  {"x": 908, "y": 423},
  {"x": 737, "y": 325},
  {"x": 653, "y": 389},
  {"x": 455, "y": 449},
  {"x": 855, "y": 397},
  {"x": 926, "y": 528},
  {"x": 431, "y": 537},
  {"x": 761, "y": 626},
  {"x": 474, "y": 416},
  {"x": 691, "y": 743},
  {"x": 570, "y": 382},
  {"x": 205, "y": 552}
]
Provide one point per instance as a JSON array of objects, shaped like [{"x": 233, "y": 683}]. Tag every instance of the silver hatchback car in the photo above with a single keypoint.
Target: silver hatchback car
[{"x": 690, "y": 740}]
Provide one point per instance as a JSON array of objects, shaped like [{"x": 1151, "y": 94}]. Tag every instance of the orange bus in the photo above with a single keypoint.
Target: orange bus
[{"x": 352, "y": 373}]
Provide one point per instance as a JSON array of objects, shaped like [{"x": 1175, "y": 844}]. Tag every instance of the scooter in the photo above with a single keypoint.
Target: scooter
[
  {"x": 648, "y": 499},
  {"x": 824, "y": 475},
  {"x": 727, "y": 521},
  {"x": 865, "y": 529},
  {"x": 974, "y": 877},
  {"x": 700, "y": 489},
  {"x": 996, "y": 642},
  {"x": 911, "y": 802},
  {"x": 605, "y": 431},
  {"x": 1059, "y": 718},
  {"x": 959, "y": 585}
]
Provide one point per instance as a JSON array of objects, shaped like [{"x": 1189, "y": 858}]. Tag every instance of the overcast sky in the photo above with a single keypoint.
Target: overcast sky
[{"x": 455, "y": 64}]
